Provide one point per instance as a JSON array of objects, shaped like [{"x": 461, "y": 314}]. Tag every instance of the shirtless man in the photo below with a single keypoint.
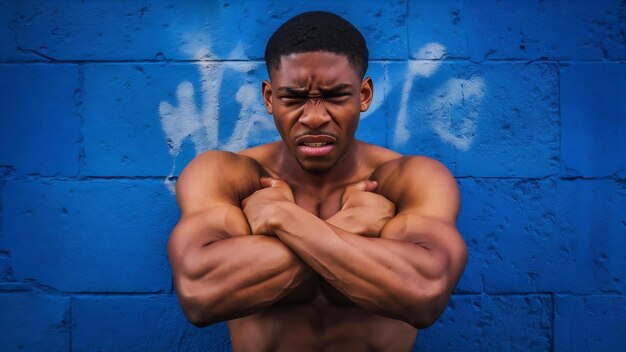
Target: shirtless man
[{"x": 318, "y": 242}]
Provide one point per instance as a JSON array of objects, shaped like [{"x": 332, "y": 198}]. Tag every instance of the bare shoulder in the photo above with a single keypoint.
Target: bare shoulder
[
  {"x": 411, "y": 166},
  {"x": 419, "y": 183},
  {"x": 265, "y": 155},
  {"x": 217, "y": 176},
  {"x": 376, "y": 155}
]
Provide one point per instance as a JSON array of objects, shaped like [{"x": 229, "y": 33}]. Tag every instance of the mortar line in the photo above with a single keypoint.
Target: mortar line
[
  {"x": 71, "y": 347},
  {"x": 552, "y": 341},
  {"x": 81, "y": 118},
  {"x": 261, "y": 61},
  {"x": 406, "y": 32},
  {"x": 386, "y": 112},
  {"x": 558, "y": 84},
  {"x": 37, "y": 177}
]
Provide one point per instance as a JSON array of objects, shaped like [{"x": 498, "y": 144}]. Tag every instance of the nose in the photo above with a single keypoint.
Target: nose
[{"x": 314, "y": 114}]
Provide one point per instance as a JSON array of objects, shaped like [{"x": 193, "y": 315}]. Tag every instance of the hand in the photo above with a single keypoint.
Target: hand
[
  {"x": 362, "y": 211},
  {"x": 260, "y": 207}
]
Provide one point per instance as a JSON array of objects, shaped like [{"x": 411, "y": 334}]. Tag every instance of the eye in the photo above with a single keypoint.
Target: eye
[
  {"x": 292, "y": 99},
  {"x": 337, "y": 97}
]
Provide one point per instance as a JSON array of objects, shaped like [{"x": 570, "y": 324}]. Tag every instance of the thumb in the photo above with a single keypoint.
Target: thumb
[
  {"x": 361, "y": 186},
  {"x": 267, "y": 181},
  {"x": 370, "y": 185}
]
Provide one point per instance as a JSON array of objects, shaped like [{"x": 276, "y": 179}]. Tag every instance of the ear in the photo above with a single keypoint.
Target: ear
[
  {"x": 266, "y": 90},
  {"x": 367, "y": 93}
]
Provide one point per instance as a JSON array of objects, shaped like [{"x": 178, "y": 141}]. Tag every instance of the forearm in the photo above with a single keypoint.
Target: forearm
[
  {"x": 389, "y": 277},
  {"x": 237, "y": 276},
  {"x": 349, "y": 220}
]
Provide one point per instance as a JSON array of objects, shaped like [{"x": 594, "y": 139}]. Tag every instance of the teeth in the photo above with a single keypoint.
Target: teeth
[{"x": 315, "y": 145}]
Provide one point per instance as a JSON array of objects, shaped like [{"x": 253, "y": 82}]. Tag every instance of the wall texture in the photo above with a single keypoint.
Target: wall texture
[{"x": 104, "y": 102}]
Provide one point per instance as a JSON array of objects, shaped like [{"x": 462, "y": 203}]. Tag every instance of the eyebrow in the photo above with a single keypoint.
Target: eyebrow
[
  {"x": 292, "y": 90},
  {"x": 335, "y": 88},
  {"x": 304, "y": 90}
]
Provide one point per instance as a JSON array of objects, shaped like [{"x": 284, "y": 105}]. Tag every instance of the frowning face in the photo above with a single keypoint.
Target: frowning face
[{"x": 316, "y": 99}]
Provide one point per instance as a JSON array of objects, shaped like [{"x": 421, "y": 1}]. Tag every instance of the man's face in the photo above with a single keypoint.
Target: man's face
[{"x": 316, "y": 99}]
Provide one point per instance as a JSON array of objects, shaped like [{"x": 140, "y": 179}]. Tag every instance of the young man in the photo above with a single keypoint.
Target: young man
[{"x": 318, "y": 242}]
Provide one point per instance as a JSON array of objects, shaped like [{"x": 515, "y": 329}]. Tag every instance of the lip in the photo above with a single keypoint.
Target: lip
[
  {"x": 316, "y": 151},
  {"x": 316, "y": 138}
]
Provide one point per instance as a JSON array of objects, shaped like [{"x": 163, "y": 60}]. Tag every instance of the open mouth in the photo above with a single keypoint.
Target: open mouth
[{"x": 316, "y": 145}]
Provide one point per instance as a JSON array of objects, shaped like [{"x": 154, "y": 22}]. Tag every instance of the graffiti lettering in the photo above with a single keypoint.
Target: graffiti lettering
[{"x": 201, "y": 124}]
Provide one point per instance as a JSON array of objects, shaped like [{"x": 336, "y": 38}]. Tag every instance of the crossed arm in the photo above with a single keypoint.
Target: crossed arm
[{"x": 253, "y": 257}]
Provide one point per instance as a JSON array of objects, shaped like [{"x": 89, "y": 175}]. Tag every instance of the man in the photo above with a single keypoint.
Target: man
[{"x": 318, "y": 242}]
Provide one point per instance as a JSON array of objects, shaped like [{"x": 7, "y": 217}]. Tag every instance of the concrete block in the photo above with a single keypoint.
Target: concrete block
[
  {"x": 544, "y": 236},
  {"x": 506, "y": 225},
  {"x": 152, "y": 119},
  {"x": 7, "y": 43},
  {"x": 590, "y": 323},
  {"x": 521, "y": 30},
  {"x": 40, "y": 126},
  {"x": 440, "y": 22},
  {"x": 34, "y": 322},
  {"x": 2, "y": 241},
  {"x": 486, "y": 120},
  {"x": 118, "y": 30},
  {"x": 5, "y": 266},
  {"x": 491, "y": 323},
  {"x": 90, "y": 236},
  {"x": 593, "y": 218},
  {"x": 139, "y": 323},
  {"x": 594, "y": 118},
  {"x": 382, "y": 23}
]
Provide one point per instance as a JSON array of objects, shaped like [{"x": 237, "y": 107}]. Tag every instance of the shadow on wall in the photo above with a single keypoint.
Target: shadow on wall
[{"x": 200, "y": 122}]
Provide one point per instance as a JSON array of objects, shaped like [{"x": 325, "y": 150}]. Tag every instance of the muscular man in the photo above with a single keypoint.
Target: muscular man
[{"x": 318, "y": 242}]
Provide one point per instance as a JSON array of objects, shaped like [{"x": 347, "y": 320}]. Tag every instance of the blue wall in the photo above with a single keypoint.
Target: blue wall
[{"x": 104, "y": 102}]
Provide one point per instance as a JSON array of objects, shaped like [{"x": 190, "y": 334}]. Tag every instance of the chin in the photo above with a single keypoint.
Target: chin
[{"x": 317, "y": 168}]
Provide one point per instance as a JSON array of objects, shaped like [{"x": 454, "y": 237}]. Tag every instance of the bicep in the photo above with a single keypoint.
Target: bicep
[
  {"x": 195, "y": 232},
  {"x": 217, "y": 177},
  {"x": 428, "y": 201},
  {"x": 209, "y": 192}
]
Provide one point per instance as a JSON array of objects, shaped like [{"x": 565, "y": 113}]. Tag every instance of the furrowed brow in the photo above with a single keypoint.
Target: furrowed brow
[
  {"x": 292, "y": 90},
  {"x": 334, "y": 89}
]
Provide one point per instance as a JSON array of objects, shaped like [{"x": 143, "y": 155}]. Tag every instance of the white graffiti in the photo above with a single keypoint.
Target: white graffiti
[
  {"x": 457, "y": 91},
  {"x": 186, "y": 119},
  {"x": 202, "y": 124},
  {"x": 440, "y": 110}
]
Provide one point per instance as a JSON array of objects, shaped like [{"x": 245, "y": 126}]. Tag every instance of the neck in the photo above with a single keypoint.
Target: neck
[{"x": 343, "y": 172}]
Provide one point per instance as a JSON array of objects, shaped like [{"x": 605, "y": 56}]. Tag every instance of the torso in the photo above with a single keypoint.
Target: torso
[{"x": 317, "y": 317}]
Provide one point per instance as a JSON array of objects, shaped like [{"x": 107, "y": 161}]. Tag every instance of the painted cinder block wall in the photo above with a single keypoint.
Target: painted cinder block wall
[{"x": 103, "y": 103}]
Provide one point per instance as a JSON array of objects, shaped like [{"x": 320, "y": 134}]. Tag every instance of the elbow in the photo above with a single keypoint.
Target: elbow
[
  {"x": 426, "y": 318},
  {"x": 198, "y": 320},
  {"x": 428, "y": 304},
  {"x": 198, "y": 307},
  {"x": 432, "y": 296},
  {"x": 429, "y": 297},
  {"x": 197, "y": 317}
]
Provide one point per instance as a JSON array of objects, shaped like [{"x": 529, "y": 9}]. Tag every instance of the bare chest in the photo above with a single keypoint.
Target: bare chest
[
  {"x": 319, "y": 325},
  {"x": 321, "y": 205}
]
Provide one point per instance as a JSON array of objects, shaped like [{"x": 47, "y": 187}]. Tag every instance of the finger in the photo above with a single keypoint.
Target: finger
[
  {"x": 357, "y": 186},
  {"x": 267, "y": 181},
  {"x": 370, "y": 185},
  {"x": 365, "y": 185},
  {"x": 351, "y": 188}
]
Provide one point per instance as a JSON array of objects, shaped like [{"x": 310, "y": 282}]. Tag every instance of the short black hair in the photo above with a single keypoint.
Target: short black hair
[{"x": 317, "y": 31}]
